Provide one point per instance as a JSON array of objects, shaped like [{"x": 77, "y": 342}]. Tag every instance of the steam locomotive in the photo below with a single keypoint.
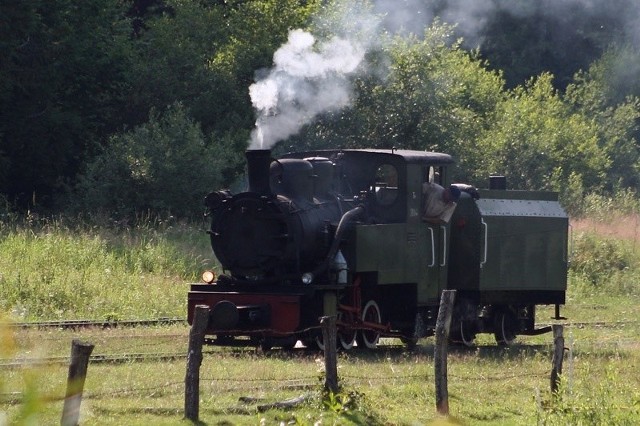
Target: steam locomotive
[{"x": 340, "y": 232}]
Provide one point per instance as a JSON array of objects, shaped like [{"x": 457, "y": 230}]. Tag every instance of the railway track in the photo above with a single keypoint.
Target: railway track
[
  {"x": 86, "y": 323},
  {"x": 163, "y": 356},
  {"x": 82, "y": 323},
  {"x": 94, "y": 359},
  {"x": 596, "y": 324}
]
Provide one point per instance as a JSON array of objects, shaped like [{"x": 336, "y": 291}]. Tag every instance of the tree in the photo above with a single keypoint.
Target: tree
[
  {"x": 432, "y": 96},
  {"x": 608, "y": 93},
  {"x": 525, "y": 39},
  {"x": 61, "y": 75},
  {"x": 539, "y": 142},
  {"x": 204, "y": 55},
  {"x": 163, "y": 165}
]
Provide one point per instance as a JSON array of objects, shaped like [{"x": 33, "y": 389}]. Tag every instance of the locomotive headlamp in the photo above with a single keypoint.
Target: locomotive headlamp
[
  {"x": 208, "y": 277},
  {"x": 307, "y": 278}
]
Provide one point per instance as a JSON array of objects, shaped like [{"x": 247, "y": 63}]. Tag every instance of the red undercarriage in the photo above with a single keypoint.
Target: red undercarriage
[{"x": 275, "y": 315}]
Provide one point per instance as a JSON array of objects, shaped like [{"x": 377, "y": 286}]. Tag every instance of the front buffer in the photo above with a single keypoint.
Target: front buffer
[{"x": 246, "y": 314}]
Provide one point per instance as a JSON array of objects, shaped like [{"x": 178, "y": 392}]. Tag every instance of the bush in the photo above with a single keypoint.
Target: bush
[
  {"x": 597, "y": 260},
  {"x": 164, "y": 165}
]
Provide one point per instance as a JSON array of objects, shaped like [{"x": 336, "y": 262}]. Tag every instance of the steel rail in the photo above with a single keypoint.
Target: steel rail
[
  {"x": 83, "y": 323},
  {"x": 95, "y": 359}
]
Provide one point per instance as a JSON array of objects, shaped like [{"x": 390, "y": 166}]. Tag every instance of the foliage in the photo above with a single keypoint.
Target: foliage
[
  {"x": 600, "y": 94},
  {"x": 83, "y": 85},
  {"x": 395, "y": 386},
  {"x": 609, "y": 207},
  {"x": 596, "y": 259},
  {"x": 430, "y": 94},
  {"x": 525, "y": 39},
  {"x": 594, "y": 404},
  {"x": 62, "y": 79},
  {"x": 538, "y": 142},
  {"x": 165, "y": 164},
  {"x": 139, "y": 271}
]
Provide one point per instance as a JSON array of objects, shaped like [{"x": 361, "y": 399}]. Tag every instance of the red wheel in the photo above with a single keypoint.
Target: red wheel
[{"x": 370, "y": 313}]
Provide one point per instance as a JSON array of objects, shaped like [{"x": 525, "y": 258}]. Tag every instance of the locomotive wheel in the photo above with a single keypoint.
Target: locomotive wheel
[
  {"x": 504, "y": 328},
  {"x": 464, "y": 333},
  {"x": 315, "y": 343},
  {"x": 346, "y": 336},
  {"x": 346, "y": 341},
  {"x": 368, "y": 338},
  {"x": 319, "y": 342}
]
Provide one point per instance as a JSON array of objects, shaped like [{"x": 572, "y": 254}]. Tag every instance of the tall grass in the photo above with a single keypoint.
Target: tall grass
[{"x": 51, "y": 269}]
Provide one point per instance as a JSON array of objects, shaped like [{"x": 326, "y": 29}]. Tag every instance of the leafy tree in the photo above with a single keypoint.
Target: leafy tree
[
  {"x": 434, "y": 96},
  {"x": 204, "y": 54},
  {"x": 539, "y": 142},
  {"x": 61, "y": 80},
  {"x": 607, "y": 94},
  {"x": 525, "y": 39},
  {"x": 166, "y": 164}
]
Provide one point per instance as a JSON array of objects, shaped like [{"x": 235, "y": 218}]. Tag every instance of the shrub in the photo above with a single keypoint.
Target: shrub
[
  {"x": 166, "y": 164},
  {"x": 596, "y": 259}
]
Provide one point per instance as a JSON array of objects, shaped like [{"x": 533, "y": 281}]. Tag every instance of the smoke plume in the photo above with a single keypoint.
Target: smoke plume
[{"x": 308, "y": 78}]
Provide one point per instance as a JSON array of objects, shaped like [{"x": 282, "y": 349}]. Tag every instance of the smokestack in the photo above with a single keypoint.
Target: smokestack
[{"x": 258, "y": 162}]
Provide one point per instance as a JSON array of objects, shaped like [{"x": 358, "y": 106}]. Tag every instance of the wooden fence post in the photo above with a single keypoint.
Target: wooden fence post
[
  {"x": 330, "y": 356},
  {"x": 80, "y": 353},
  {"x": 194, "y": 359},
  {"x": 558, "y": 356},
  {"x": 443, "y": 324}
]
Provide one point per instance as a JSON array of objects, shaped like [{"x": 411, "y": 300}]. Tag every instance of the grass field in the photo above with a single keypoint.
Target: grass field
[{"x": 149, "y": 266}]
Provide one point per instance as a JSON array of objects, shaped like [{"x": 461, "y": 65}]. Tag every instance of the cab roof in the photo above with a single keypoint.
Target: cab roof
[{"x": 408, "y": 156}]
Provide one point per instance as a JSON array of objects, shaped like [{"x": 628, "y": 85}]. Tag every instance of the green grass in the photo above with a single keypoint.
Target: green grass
[
  {"x": 55, "y": 270},
  {"x": 488, "y": 385}
]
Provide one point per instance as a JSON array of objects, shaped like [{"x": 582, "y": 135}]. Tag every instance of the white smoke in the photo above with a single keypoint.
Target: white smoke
[
  {"x": 405, "y": 16},
  {"x": 307, "y": 79}
]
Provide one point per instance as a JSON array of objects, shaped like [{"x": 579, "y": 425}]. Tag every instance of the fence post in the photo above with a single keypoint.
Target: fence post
[
  {"x": 330, "y": 355},
  {"x": 80, "y": 353},
  {"x": 440, "y": 357},
  {"x": 194, "y": 359},
  {"x": 558, "y": 356}
]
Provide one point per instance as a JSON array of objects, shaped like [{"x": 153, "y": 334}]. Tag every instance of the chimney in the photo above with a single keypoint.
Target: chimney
[
  {"x": 258, "y": 162},
  {"x": 497, "y": 182}
]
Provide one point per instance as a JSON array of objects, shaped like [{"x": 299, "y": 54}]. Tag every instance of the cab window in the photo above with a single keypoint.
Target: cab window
[{"x": 386, "y": 184}]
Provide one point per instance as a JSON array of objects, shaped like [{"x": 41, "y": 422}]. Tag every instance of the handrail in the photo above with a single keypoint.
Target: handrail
[
  {"x": 486, "y": 228},
  {"x": 444, "y": 245},
  {"x": 568, "y": 246},
  {"x": 433, "y": 249}
]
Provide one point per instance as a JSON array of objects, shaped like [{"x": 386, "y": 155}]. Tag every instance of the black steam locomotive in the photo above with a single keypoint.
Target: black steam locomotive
[{"x": 340, "y": 232}]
